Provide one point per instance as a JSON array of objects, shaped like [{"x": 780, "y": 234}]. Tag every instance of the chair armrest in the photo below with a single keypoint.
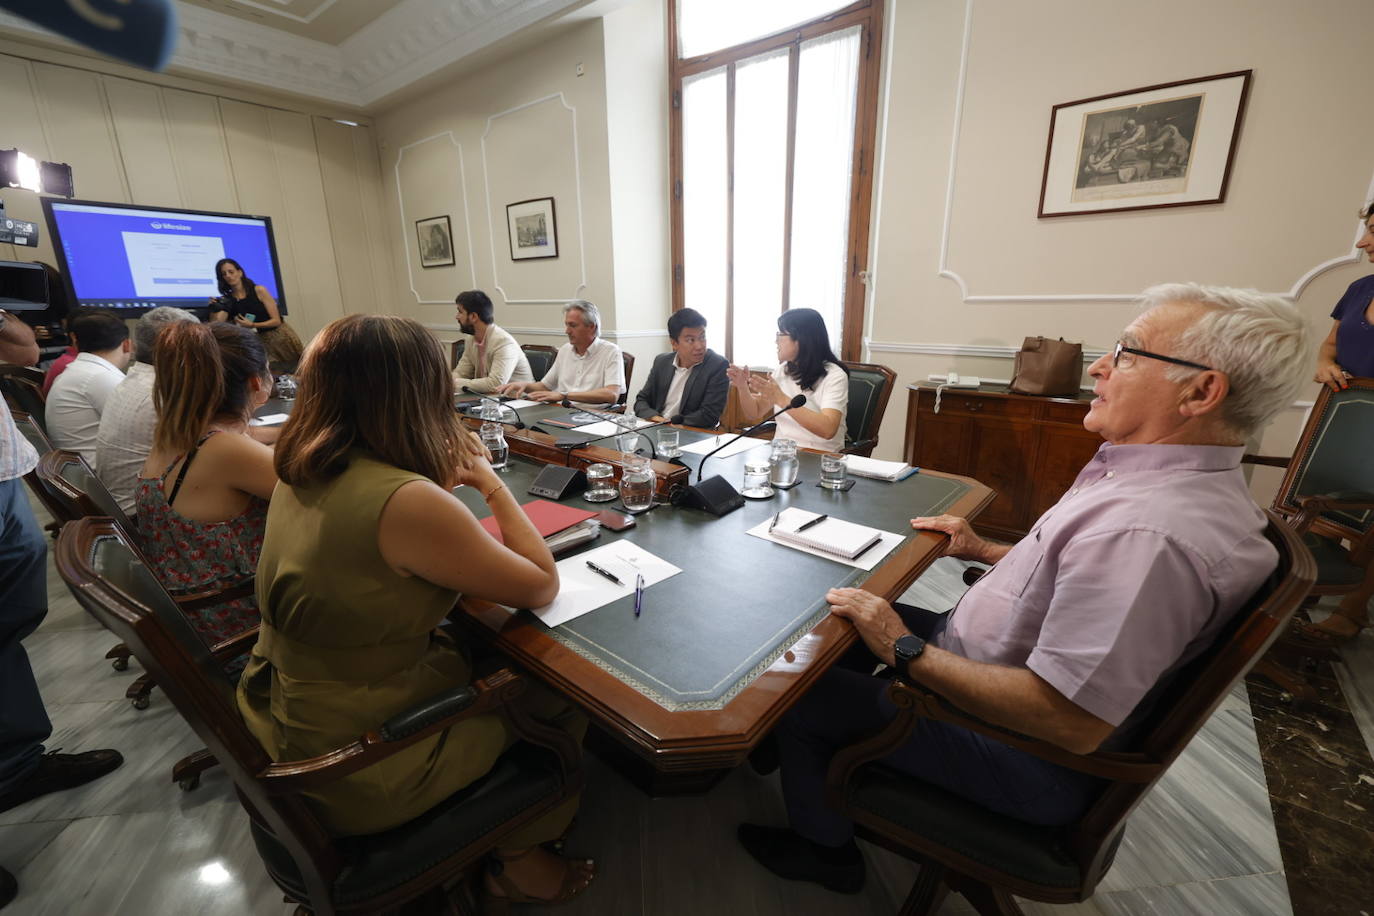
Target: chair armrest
[
  {"x": 491, "y": 694},
  {"x": 914, "y": 702},
  {"x": 195, "y": 601},
  {"x": 235, "y": 645},
  {"x": 1272, "y": 461},
  {"x": 1314, "y": 507}
]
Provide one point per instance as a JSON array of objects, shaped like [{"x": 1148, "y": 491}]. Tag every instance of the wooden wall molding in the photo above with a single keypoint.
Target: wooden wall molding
[{"x": 406, "y": 234}]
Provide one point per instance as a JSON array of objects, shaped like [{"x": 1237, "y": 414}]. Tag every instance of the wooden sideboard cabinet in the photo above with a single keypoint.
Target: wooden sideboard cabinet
[{"x": 1027, "y": 449}]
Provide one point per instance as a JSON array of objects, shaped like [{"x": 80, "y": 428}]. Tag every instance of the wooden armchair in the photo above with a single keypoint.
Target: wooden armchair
[
  {"x": 1327, "y": 496},
  {"x": 31, "y": 431},
  {"x": 78, "y": 493},
  {"x": 870, "y": 386},
  {"x": 989, "y": 857},
  {"x": 324, "y": 874},
  {"x": 22, "y": 387},
  {"x": 541, "y": 358}
]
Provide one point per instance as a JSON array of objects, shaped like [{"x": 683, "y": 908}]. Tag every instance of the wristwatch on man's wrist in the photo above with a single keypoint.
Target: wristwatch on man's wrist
[{"x": 906, "y": 650}]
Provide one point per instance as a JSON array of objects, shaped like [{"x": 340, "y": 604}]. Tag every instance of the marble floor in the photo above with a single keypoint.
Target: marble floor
[{"x": 1204, "y": 842}]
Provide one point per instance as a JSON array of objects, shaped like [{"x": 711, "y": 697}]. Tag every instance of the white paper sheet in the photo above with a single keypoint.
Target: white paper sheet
[
  {"x": 271, "y": 419},
  {"x": 580, "y": 590},
  {"x": 867, "y": 560},
  {"x": 702, "y": 446},
  {"x": 517, "y": 403},
  {"x": 609, "y": 427}
]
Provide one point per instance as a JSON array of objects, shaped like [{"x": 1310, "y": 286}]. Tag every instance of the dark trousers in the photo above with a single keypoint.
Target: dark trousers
[
  {"x": 847, "y": 704},
  {"x": 24, "y": 724}
]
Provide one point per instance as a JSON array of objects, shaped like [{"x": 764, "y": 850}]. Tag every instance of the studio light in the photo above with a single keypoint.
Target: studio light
[{"x": 20, "y": 170}]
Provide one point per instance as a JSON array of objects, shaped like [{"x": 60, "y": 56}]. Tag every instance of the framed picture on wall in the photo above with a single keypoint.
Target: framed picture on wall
[
  {"x": 435, "y": 237},
  {"x": 533, "y": 230},
  {"x": 1169, "y": 145}
]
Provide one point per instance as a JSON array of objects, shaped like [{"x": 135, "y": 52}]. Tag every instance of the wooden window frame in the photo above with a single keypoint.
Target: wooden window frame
[{"x": 865, "y": 13}]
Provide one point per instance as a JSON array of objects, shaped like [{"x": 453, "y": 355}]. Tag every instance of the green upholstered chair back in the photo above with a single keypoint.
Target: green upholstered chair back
[
  {"x": 870, "y": 386},
  {"x": 71, "y": 478},
  {"x": 455, "y": 352},
  {"x": 23, "y": 390},
  {"x": 541, "y": 358},
  {"x": 1335, "y": 456},
  {"x": 629, "y": 362}
]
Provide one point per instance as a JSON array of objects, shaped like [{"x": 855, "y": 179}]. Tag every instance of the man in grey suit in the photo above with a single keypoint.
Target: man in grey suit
[{"x": 688, "y": 385}]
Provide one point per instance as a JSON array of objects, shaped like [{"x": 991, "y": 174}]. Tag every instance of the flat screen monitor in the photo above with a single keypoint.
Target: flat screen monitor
[{"x": 131, "y": 259}]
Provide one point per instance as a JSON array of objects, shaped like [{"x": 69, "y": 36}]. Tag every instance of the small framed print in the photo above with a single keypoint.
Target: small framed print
[
  {"x": 435, "y": 237},
  {"x": 533, "y": 229},
  {"x": 1169, "y": 145}
]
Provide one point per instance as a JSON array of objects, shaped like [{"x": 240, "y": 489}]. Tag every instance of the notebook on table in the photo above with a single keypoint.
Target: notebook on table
[
  {"x": 549, "y": 518},
  {"x": 832, "y": 535}
]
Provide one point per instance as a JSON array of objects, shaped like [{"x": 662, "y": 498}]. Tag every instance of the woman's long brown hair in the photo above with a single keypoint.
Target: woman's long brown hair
[
  {"x": 377, "y": 382},
  {"x": 203, "y": 371}
]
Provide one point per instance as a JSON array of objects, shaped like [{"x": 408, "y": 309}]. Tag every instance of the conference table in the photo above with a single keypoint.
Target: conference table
[{"x": 724, "y": 648}]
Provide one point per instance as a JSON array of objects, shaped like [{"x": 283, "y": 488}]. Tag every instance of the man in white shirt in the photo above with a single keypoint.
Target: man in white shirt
[
  {"x": 125, "y": 435},
  {"x": 589, "y": 370},
  {"x": 78, "y": 397},
  {"x": 491, "y": 357}
]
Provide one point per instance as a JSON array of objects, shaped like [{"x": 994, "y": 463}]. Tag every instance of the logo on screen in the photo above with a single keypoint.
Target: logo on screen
[{"x": 183, "y": 228}]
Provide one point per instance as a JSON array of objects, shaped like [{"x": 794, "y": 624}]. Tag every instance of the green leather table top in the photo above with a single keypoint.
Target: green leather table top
[{"x": 739, "y": 602}]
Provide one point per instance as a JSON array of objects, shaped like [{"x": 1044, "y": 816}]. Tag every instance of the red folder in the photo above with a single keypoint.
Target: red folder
[{"x": 548, "y": 517}]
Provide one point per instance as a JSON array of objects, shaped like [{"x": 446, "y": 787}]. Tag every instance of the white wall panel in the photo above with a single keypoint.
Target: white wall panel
[
  {"x": 145, "y": 148},
  {"x": 198, "y": 148}
]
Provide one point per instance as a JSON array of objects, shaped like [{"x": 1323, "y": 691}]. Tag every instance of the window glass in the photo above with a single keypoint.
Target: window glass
[{"x": 709, "y": 25}]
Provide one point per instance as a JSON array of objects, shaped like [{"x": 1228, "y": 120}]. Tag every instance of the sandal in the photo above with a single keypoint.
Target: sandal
[
  {"x": 556, "y": 844},
  {"x": 1301, "y": 632},
  {"x": 577, "y": 876}
]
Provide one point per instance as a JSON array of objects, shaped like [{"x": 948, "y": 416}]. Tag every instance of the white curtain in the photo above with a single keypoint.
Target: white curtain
[
  {"x": 709, "y": 25},
  {"x": 705, "y": 199},
  {"x": 827, "y": 84}
]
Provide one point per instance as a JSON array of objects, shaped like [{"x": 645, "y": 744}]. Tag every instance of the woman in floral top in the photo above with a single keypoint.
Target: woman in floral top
[{"x": 202, "y": 496}]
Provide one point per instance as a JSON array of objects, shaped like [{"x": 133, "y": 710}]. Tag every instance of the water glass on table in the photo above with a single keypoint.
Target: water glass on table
[
  {"x": 494, "y": 440},
  {"x": 600, "y": 483},
  {"x": 668, "y": 443},
  {"x": 756, "y": 484},
  {"x": 832, "y": 471}
]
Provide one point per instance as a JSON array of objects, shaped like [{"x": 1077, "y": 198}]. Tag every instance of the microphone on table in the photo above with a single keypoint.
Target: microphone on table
[
  {"x": 518, "y": 423},
  {"x": 714, "y": 494}
]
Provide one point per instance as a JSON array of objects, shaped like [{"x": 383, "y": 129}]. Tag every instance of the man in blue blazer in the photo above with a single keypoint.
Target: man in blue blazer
[{"x": 688, "y": 385}]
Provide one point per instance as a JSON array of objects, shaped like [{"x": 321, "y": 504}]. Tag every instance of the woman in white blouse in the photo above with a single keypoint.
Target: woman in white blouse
[{"x": 809, "y": 367}]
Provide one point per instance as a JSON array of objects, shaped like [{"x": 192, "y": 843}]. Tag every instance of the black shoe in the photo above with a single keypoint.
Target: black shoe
[
  {"x": 61, "y": 771},
  {"x": 9, "y": 888},
  {"x": 790, "y": 855},
  {"x": 764, "y": 758}
]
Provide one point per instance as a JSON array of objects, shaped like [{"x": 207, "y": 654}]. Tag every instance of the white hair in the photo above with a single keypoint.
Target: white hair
[
  {"x": 590, "y": 313},
  {"x": 147, "y": 327},
  {"x": 1260, "y": 341}
]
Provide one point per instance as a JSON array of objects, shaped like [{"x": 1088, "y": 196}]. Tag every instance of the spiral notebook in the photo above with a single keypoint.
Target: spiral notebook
[{"x": 832, "y": 535}]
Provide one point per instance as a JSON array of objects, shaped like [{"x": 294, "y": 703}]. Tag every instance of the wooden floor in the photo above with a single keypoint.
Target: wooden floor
[{"x": 132, "y": 843}]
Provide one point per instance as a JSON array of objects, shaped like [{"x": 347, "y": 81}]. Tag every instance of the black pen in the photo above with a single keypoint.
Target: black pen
[
  {"x": 813, "y": 523},
  {"x": 774, "y": 523},
  {"x": 601, "y": 572}
]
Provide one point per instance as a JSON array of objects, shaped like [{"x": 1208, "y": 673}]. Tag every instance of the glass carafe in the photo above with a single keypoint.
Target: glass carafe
[{"x": 783, "y": 461}]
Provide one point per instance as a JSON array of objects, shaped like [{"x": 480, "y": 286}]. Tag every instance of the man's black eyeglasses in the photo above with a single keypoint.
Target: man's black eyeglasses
[{"x": 1122, "y": 348}]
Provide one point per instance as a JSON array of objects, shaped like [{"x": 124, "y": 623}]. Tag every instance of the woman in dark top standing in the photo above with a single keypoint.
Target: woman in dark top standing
[
  {"x": 1348, "y": 351},
  {"x": 250, "y": 305}
]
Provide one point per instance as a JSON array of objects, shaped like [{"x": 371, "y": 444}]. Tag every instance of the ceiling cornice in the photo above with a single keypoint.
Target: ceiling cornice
[{"x": 405, "y": 44}]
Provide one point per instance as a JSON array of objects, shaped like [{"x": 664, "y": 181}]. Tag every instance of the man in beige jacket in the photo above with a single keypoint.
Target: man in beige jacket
[{"x": 491, "y": 357}]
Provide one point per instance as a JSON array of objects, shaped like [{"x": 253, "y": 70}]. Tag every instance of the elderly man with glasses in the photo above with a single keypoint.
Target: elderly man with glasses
[{"x": 1077, "y": 628}]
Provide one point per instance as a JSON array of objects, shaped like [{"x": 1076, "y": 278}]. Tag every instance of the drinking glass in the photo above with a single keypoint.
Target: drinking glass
[
  {"x": 627, "y": 442},
  {"x": 667, "y": 443},
  {"x": 494, "y": 439},
  {"x": 637, "y": 485},
  {"x": 600, "y": 483},
  {"x": 489, "y": 412},
  {"x": 756, "y": 480},
  {"x": 832, "y": 471},
  {"x": 285, "y": 387}
]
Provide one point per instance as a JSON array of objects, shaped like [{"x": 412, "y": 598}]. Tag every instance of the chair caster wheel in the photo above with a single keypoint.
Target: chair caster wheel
[
  {"x": 141, "y": 702},
  {"x": 189, "y": 784},
  {"x": 120, "y": 664}
]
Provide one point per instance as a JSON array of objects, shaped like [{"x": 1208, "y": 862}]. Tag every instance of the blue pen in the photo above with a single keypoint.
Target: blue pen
[{"x": 639, "y": 593}]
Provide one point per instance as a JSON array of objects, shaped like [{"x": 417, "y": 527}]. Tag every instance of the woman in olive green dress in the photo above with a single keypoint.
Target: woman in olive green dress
[{"x": 366, "y": 552}]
